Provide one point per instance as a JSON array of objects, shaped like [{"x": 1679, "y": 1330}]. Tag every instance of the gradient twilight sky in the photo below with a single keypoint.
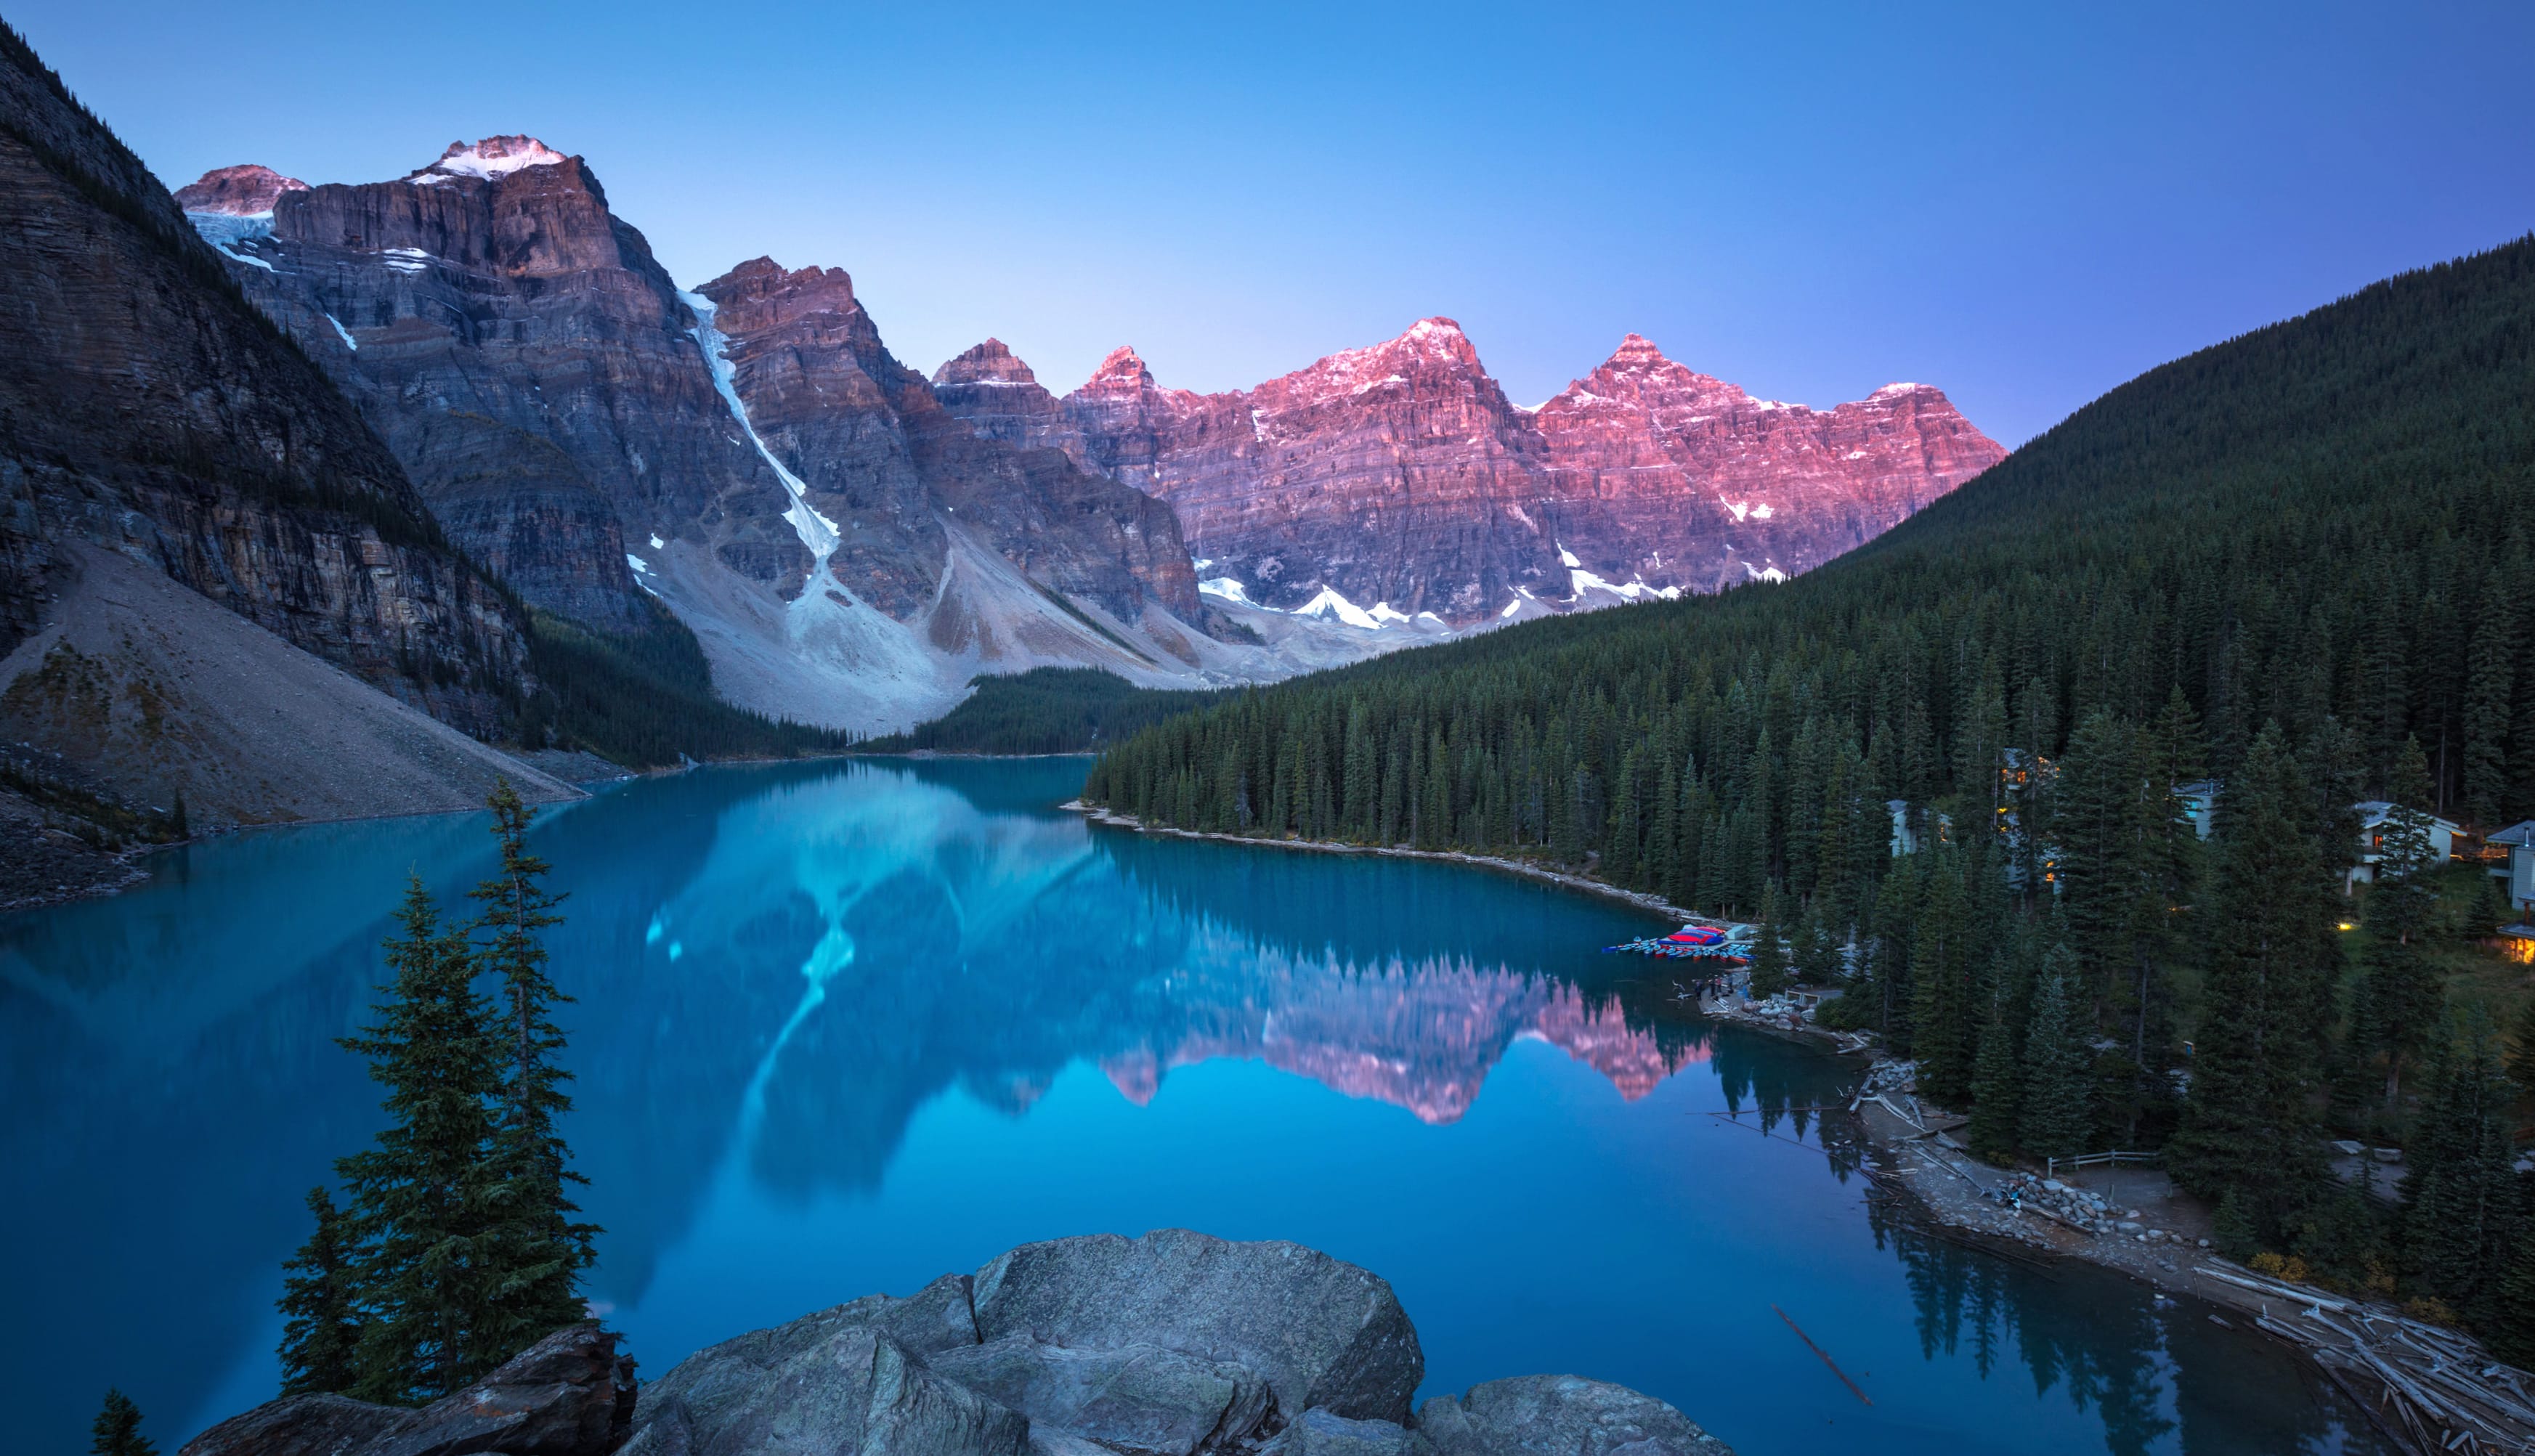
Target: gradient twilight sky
[{"x": 2024, "y": 204}]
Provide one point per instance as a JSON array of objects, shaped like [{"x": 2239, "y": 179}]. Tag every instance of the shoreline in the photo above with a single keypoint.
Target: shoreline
[
  {"x": 2424, "y": 1378},
  {"x": 1098, "y": 814}
]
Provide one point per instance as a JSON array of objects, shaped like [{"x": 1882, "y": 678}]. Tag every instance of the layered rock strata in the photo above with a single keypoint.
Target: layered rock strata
[
  {"x": 146, "y": 408},
  {"x": 748, "y": 455},
  {"x": 1174, "y": 1344},
  {"x": 1398, "y": 479},
  {"x": 528, "y": 360}
]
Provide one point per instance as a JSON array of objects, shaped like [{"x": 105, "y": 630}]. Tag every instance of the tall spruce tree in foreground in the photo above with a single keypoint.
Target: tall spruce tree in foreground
[
  {"x": 537, "y": 1249},
  {"x": 2248, "y": 1128},
  {"x": 423, "y": 1196},
  {"x": 457, "y": 1249},
  {"x": 117, "y": 1430},
  {"x": 322, "y": 1332}
]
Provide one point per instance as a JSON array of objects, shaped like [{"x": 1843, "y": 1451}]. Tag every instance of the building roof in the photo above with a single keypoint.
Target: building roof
[
  {"x": 2373, "y": 812},
  {"x": 2521, "y": 835}
]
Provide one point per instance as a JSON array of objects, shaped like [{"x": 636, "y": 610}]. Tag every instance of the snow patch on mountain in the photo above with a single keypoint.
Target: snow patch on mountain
[
  {"x": 1331, "y": 604},
  {"x": 816, "y": 532},
  {"x": 489, "y": 161}
]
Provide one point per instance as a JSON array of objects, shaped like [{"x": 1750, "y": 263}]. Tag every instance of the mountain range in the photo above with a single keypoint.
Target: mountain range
[
  {"x": 852, "y": 542},
  {"x": 455, "y": 450}
]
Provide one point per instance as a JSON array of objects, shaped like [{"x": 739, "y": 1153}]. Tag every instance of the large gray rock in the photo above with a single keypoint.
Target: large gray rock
[
  {"x": 1141, "y": 1400},
  {"x": 569, "y": 1394},
  {"x": 1320, "y": 1332},
  {"x": 822, "y": 1383},
  {"x": 917, "y": 1412},
  {"x": 1320, "y": 1434},
  {"x": 1560, "y": 1416},
  {"x": 299, "y": 1425}
]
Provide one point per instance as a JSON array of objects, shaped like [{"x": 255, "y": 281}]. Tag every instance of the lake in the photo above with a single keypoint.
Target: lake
[{"x": 845, "y": 1026}]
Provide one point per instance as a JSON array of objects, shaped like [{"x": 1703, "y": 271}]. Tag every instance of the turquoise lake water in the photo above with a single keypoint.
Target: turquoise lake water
[{"x": 843, "y": 1027}]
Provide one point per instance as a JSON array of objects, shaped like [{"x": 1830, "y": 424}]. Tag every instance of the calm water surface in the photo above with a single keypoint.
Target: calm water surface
[{"x": 841, "y": 1028}]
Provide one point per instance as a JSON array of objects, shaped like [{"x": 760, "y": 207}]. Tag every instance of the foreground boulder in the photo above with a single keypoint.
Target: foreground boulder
[
  {"x": 569, "y": 1394},
  {"x": 1562, "y": 1414},
  {"x": 1174, "y": 1344}
]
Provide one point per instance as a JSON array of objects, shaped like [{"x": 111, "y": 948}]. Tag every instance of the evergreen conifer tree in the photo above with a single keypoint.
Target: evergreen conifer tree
[
  {"x": 116, "y": 1431},
  {"x": 2399, "y": 988},
  {"x": 2510, "y": 1327},
  {"x": 535, "y": 1248},
  {"x": 1997, "y": 1081},
  {"x": 2247, "y": 1127},
  {"x": 1944, "y": 966},
  {"x": 422, "y": 1197},
  {"x": 1768, "y": 956},
  {"x": 2522, "y": 1051},
  {"x": 2056, "y": 1120},
  {"x": 322, "y": 1333},
  {"x": 2462, "y": 1213}
]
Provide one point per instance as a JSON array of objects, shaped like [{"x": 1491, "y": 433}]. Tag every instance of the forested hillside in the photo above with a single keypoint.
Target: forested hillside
[
  {"x": 1045, "y": 710},
  {"x": 2298, "y": 561}
]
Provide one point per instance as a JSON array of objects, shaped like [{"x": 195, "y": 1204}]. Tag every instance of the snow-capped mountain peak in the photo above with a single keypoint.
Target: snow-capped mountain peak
[{"x": 490, "y": 160}]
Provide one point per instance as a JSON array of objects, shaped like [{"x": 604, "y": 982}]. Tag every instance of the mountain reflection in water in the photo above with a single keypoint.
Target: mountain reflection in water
[{"x": 839, "y": 1027}]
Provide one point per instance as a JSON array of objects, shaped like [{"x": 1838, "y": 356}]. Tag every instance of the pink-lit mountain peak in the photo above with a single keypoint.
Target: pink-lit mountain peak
[
  {"x": 990, "y": 363},
  {"x": 490, "y": 160},
  {"x": 1122, "y": 371},
  {"x": 241, "y": 192}
]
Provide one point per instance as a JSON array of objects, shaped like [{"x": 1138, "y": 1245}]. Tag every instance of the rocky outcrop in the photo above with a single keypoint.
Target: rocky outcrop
[
  {"x": 569, "y": 1394},
  {"x": 1566, "y": 1413},
  {"x": 148, "y": 410},
  {"x": 1399, "y": 479},
  {"x": 1169, "y": 1345}
]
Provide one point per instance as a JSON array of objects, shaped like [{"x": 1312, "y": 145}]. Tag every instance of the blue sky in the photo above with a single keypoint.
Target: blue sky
[{"x": 2023, "y": 204}]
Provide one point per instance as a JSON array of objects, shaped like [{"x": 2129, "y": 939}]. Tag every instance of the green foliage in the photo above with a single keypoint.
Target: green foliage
[
  {"x": 2249, "y": 1127},
  {"x": 646, "y": 699},
  {"x": 1768, "y": 952},
  {"x": 2284, "y": 561},
  {"x": 117, "y": 1430},
  {"x": 539, "y": 1250},
  {"x": 2462, "y": 1213},
  {"x": 2398, "y": 993},
  {"x": 457, "y": 1248},
  {"x": 420, "y": 1196},
  {"x": 2057, "y": 1120},
  {"x": 322, "y": 1333},
  {"x": 1045, "y": 710}
]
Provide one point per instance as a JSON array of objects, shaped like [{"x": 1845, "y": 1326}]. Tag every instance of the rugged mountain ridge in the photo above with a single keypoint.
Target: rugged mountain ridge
[
  {"x": 748, "y": 454},
  {"x": 1386, "y": 481},
  {"x": 850, "y": 543},
  {"x": 527, "y": 360},
  {"x": 146, "y": 408}
]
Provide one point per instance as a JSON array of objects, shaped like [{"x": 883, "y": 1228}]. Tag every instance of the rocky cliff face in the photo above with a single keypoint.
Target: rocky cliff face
[
  {"x": 147, "y": 408},
  {"x": 527, "y": 360},
  {"x": 1383, "y": 482},
  {"x": 894, "y": 471},
  {"x": 749, "y": 453}
]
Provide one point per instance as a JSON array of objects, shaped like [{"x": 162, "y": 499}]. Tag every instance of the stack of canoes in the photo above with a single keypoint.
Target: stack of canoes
[{"x": 1697, "y": 941}]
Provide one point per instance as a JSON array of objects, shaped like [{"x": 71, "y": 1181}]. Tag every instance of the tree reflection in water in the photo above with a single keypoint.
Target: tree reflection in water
[{"x": 780, "y": 972}]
